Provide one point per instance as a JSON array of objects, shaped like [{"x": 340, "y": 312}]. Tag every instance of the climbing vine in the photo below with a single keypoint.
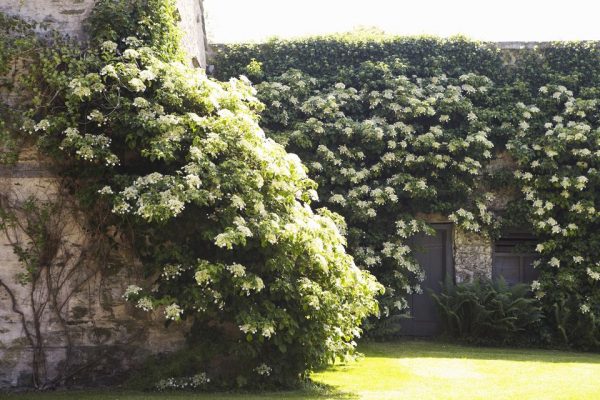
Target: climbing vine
[
  {"x": 17, "y": 45},
  {"x": 53, "y": 270},
  {"x": 220, "y": 215},
  {"x": 558, "y": 153},
  {"x": 229, "y": 225},
  {"x": 385, "y": 149},
  {"x": 395, "y": 130}
]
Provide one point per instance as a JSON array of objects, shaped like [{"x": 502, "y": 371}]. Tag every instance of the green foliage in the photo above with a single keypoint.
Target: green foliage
[
  {"x": 488, "y": 312},
  {"x": 37, "y": 221},
  {"x": 384, "y": 147},
  {"x": 153, "y": 22},
  {"x": 572, "y": 64},
  {"x": 322, "y": 56},
  {"x": 17, "y": 43},
  {"x": 558, "y": 154},
  {"x": 219, "y": 214},
  {"x": 349, "y": 105}
]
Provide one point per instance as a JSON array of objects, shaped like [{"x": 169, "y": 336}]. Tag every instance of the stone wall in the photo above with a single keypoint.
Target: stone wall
[
  {"x": 471, "y": 252},
  {"x": 67, "y": 16},
  {"x": 472, "y": 256},
  {"x": 87, "y": 332},
  {"x": 93, "y": 327},
  {"x": 95, "y": 330}
]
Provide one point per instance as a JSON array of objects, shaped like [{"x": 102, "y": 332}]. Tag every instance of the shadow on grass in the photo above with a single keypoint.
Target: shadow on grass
[
  {"x": 311, "y": 391},
  {"x": 412, "y": 348}
]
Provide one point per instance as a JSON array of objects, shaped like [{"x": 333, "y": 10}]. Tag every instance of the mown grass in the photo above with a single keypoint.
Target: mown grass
[{"x": 419, "y": 370}]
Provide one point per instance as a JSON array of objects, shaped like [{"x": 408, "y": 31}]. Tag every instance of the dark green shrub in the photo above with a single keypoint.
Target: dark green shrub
[{"x": 488, "y": 312}]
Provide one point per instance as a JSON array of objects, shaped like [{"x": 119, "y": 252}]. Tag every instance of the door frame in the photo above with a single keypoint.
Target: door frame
[{"x": 448, "y": 269}]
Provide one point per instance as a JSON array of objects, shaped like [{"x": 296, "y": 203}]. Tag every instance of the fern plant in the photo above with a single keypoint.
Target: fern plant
[{"x": 488, "y": 311}]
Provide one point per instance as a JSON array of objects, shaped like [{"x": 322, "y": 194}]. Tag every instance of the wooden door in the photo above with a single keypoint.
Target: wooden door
[{"x": 434, "y": 254}]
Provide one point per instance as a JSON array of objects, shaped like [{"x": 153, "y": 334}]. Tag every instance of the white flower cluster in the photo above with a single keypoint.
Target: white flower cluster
[
  {"x": 171, "y": 271},
  {"x": 263, "y": 369},
  {"x": 173, "y": 312},
  {"x": 197, "y": 381},
  {"x": 145, "y": 304},
  {"x": 132, "y": 290}
]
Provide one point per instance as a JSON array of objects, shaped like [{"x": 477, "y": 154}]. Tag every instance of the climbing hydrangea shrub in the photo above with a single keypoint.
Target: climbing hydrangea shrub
[
  {"x": 311, "y": 113},
  {"x": 558, "y": 149},
  {"x": 383, "y": 148},
  {"x": 220, "y": 214}
]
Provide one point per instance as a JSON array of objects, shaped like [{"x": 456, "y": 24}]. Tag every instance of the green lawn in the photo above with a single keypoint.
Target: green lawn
[{"x": 424, "y": 370}]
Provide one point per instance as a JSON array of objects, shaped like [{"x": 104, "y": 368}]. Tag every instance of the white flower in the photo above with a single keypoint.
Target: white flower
[
  {"x": 577, "y": 259},
  {"x": 202, "y": 276},
  {"x": 108, "y": 46},
  {"x": 175, "y": 205},
  {"x": 147, "y": 75},
  {"x": 96, "y": 116},
  {"x": 338, "y": 199},
  {"x": 193, "y": 181},
  {"x": 581, "y": 182},
  {"x": 268, "y": 331},
  {"x": 140, "y": 102},
  {"x": 263, "y": 369},
  {"x": 42, "y": 125},
  {"x": 109, "y": 70},
  {"x": 131, "y": 290},
  {"x": 130, "y": 54},
  {"x": 554, "y": 262},
  {"x": 535, "y": 285},
  {"x": 106, "y": 190},
  {"x": 79, "y": 89},
  {"x": 173, "y": 312},
  {"x": 238, "y": 202},
  {"x": 237, "y": 270},
  {"x": 584, "y": 308},
  {"x": 539, "y": 248},
  {"x": 145, "y": 304},
  {"x": 247, "y": 328},
  {"x": 593, "y": 274},
  {"x": 171, "y": 271},
  {"x": 137, "y": 85}
]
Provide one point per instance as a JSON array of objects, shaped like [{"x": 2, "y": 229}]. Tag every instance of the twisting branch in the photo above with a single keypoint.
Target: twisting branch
[{"x": 36, "y": 230}]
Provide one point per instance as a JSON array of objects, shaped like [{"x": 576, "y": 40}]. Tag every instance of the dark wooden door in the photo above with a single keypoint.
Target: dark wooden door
[{"x": 434, "y": 254}]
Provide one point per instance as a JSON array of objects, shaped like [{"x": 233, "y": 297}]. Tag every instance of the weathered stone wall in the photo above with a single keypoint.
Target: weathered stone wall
[
  {"x": 94, "y": 329},
  {"x": 192, "y": 24},
  {"x": 472, "y": 256},
  {"x": 67, "y": 16},
  {"x": 103, "y": 334}
]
